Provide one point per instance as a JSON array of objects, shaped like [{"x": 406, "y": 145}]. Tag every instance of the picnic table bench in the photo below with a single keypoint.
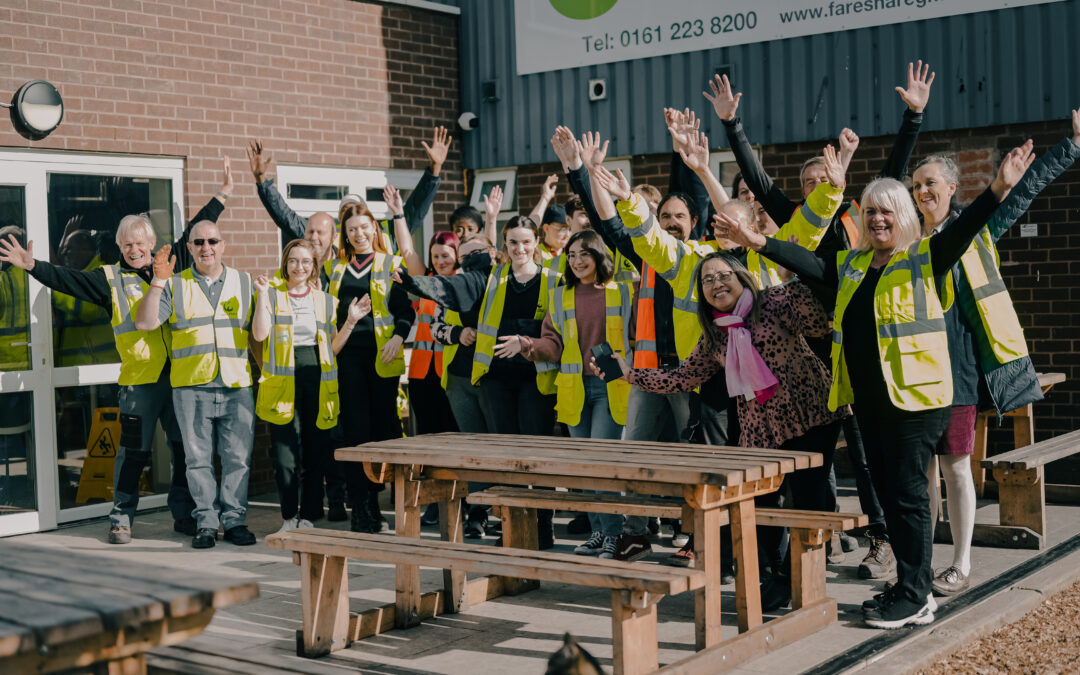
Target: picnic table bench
[{"x": 61, "y": 610}]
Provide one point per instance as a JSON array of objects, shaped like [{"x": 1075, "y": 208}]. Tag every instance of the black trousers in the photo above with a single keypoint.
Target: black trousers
[
  {"x": 368, "y": 413},
  {"x": 300, "y": 448},
  {"x": 516, "y": 406},
  {"x": 899, "y": 445},
  {"x": 430, "y": 405}
]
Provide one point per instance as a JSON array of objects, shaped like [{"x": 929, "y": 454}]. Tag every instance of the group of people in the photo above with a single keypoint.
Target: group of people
[{"x": 735, "y": 318}]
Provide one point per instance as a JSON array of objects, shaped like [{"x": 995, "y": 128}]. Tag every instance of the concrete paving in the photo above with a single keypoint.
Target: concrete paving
[{"x": 516, "y": 634}]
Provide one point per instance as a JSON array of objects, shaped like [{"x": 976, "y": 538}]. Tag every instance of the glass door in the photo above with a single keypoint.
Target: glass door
[{"x": 72, "y": 205}]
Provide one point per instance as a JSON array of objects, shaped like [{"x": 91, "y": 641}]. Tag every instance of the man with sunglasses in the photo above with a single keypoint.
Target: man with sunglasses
[
  {"x": 145, "y": 391},
  {"x": 208, "y": 308}
]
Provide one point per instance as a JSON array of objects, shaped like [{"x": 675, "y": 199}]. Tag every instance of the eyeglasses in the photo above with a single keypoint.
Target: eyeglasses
[
  {"x": 200, "y": 242},
  {"x": 300, "y": 263},
  {"x": 715, "y": 279}
]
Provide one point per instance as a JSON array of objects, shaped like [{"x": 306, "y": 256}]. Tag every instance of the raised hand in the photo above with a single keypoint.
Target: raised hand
[
  {"x": 392, "y": 198},
  {"x": 918, "y": 86},
  {"x": 359, "y": 308},
  {"x": 742, "y": 234},
  {"x": 164, "y": 263},
  {"x": 1012, "y": 169},
  {"x": 261, "y": 162},
  {"x": 695, "y": 154},
  {"x": 566, "y": 148},
  {"x": 592, "y": 153},
  {"x": 391, "y": 349},
  {"x": 11, "y": 251},
  {"x": 493, "y": 203},
  {"x": 439, "y": 148},
  {"x": 508, "y": 347},
  {"x": 724, "y": 102},
  {"x": 1076, "y": 126},
  {"x": 616, "y": 185},
  {"x": 261, "y": 283},
  {"x": 551, "y": 183},
  {"x": 834, "y": 167},
  {"x": 849, "y": 142},
  {"x": 226, "y": 183}
]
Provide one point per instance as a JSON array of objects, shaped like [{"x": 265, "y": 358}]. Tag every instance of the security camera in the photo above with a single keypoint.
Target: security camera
[
  {"x": 597, "y": 90},
  {"x": 468, "y": 121}
]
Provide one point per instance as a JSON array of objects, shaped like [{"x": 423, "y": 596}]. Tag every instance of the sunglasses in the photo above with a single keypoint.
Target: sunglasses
[{"x": 200, "y": 242}]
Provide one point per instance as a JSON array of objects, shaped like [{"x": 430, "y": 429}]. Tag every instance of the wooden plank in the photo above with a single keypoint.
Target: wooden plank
[
  {"x": 807, "y": 567},
  {"x": 15, "y": 639},
  {"x": 978, "y": 473},
  {"x": 450, "y": 527},
  {"x": 1021, "y": 499},
  {"x": 1038, "y": 454},
  {"x": 633, "y": 633},
  {"x": 747, "y": 583},
  {"x": 481, "y": 559},
  {"x": 52, "y": 623},
  {"x": 184, "y": 660},
  {"x": 128, "y": 665},
  {"x": 519, "y": 531},
  {"x": 324, "y": 590},
  {"x": 758, "y": 641},
  {"x": 564, "y": 481},
  {"x": 406, "y": 524},
  {"x": 996, "y": 536},
  {"x": 707, "y": 612},
  {"x": 631, "y": 505},
  {"x": 117, "y": 608},
  {"x": 825, "y": 520}
]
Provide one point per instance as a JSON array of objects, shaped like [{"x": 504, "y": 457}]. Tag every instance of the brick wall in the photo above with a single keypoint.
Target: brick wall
[
  {"x": 1042, "y": 273},
  {"x": 324, "y": 82}
]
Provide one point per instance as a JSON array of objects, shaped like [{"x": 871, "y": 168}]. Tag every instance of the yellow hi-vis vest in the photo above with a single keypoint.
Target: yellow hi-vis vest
[
  {"x": 996, "y": 318},
  {"x": 379, "y": 282},
  {"x": 618, "y": 304},
  {"x": 14, "y": 320},
  {"x": 143, "y": 354},
  {"x": 451, "y": 318},
  {"x": 912, "y": 343},
  {"x": 624, "y": 269},
  {"x": 276, "y": 402},
  {"x": 808, "y": 225},
  {"x": 487, "y": 328},
  {"x": 83, "y": 332},
  {"x": 205, "y": 338}
]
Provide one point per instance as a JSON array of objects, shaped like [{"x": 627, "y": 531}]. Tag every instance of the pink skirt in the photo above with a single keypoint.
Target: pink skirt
[{"x": 959, "y": 436}]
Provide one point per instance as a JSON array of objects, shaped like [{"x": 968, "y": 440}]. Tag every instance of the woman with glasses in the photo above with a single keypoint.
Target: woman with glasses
[{"x": 298, "y": 389}]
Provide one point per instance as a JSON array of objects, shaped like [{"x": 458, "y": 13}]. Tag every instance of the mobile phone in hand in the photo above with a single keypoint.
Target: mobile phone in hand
[{"x": 606, "y": 362}]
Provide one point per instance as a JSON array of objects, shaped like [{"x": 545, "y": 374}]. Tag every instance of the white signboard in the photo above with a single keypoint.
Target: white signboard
[{"x": 557, "y": 34}]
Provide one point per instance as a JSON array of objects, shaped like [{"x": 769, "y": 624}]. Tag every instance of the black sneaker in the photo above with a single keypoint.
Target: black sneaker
[
  {"x": 336, "y": 513},
  {"x": 775, "y": 593},
  {"x": 592, "y": 546},
  {"x": 631, "y": 547},
  {"x": 240, "y": 536},
  {"x": 653, "y": 525},
  {"x": 894, "y": 612},
  {"x": 206, "y": 537},
  {"x": 361, "y": 520},
  {"x": 378, "y": 521},
  {"x": 474, "y": 529},
  {"x": 185, "y": 526}
]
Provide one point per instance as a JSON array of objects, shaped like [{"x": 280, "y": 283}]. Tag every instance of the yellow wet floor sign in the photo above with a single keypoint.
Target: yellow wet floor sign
[{"x": 96, "y": 480}]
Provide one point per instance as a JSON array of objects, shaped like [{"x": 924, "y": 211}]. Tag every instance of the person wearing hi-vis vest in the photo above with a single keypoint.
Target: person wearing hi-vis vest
[
  {"x": 370, "y": 364},
  {"x": 842, "y": 234},
  {"x": 890, "y": 357},
  {"x": 208, "y": 309},
  {"x": 589, "y": 310},
  {"x": 987, "y": 348},
  {"x": 145, "y": 396},
  {"x": 298, "y": 388},
  {"x": 516, "y": 397}
]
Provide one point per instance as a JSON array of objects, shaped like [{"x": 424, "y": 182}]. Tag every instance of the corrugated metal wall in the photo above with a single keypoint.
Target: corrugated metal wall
[{"x": 1003, "y": 66}]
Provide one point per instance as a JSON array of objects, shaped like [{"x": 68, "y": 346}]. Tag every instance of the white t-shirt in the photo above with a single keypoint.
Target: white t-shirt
[{"x": 303, "y": 311}]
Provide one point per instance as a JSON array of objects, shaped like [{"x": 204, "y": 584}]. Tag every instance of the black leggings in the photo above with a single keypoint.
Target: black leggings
[
  {"x": 368, "y": 413},
  {"x": 429, "y": 405}
]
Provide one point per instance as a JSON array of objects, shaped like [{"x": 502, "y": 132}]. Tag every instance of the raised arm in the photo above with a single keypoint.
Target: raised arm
[
  {"x": 91, "y": 286},
  {"x": 792, "y": 256},
  {"x": 915, "y": 95},
  {"x": 492, "y": 206},
  {"x": 423, "y": 195},
  {"x": 567, "y": 149},
  {"x": 612, "y": 229},
  {"x": 810, "y": 222},
  {"x": 212, "y": 211},
  {"x": 547, "y": 193},
  {"x": 261, "y": 319},
  {"x": 292, "y": 226},
  {"x": 693, "y": 148},
  {"x": 1043, "y": 171},
  {"x": 406, "y": 248},
  {"x": 726, "y": 104},
  {"x": 156, "y": 306}
]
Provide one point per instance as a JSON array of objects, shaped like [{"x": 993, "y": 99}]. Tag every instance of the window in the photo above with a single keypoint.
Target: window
[{"x": 725, "y": 168}]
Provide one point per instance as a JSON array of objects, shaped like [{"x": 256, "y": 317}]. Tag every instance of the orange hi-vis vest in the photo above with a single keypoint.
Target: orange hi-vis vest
[
  {"x": 425, "y": 349},
  {"x": 645, "y": 330},
  {"x": 850, "y": 226}
]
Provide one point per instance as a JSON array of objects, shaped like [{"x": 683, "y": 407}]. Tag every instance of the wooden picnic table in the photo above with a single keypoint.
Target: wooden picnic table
[
  {"x": 61, "y": 610},
  {"x": 706, "y": 480}
]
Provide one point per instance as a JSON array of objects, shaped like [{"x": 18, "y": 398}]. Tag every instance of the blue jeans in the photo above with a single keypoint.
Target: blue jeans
[
  {"x": 142, "y": 406},
  {"x": 596, "y": 422},
  {"x": 222, "y": 420},
  {"x": 646, "y": 418}
]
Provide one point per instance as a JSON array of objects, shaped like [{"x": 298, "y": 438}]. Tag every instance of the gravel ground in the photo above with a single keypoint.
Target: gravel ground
[{"x": 1046, "y": 640}]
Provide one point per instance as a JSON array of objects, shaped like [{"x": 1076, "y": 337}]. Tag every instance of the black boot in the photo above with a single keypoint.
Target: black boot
[
  {"x": 545, "y": 531},
  {"x": 378, "y": 522},
  {"x": 361, "y": 518}
]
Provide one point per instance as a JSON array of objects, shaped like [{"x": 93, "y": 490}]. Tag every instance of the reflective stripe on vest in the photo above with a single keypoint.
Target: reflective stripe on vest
[
  {"x": 487, "y": 328},
  {"x": 1000, "y": 336},
  {"x": 425, "y": 349},
  {"x": 570, "y": 387},
  {"x": 913, "y": 347},
  {"x": 207, "y": 339},
  {"x": 381, "y": 268},
  {"x": 276, "y": 402},
  {"x": 14, "y": 320},
  {"x": 143, "y": 354},
  {"x": 686, "y": 328}
]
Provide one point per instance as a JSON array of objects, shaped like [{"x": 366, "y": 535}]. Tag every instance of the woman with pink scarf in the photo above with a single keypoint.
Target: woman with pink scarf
[{"x": 781, "y": 387}]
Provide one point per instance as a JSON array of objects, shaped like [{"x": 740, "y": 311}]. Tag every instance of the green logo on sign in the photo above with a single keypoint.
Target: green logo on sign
[{"x": 582, "y": 9}]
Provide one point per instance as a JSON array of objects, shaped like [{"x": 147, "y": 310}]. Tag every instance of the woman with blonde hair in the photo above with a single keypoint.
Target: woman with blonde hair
[{"x": 890, "y": 357}]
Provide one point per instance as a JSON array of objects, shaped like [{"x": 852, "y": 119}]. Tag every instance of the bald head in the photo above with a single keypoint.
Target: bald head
[
  {"x": 320, "y": 232},
  {"x": 207, "y": 248}
]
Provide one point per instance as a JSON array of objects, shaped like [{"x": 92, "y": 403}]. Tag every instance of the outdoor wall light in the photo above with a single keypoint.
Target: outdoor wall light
[
  {"x": 468, "y": 121},
  {"x": 36, "y": 109}
]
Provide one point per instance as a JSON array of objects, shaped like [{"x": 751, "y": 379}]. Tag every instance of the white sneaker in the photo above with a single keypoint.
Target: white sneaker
[
  {"x": 304, "y": 523},
  {"x": 287, "y": 525}
]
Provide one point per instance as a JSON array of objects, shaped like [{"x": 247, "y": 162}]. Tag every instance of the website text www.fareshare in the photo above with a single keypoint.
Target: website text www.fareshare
[{"x": 848, "y": 8}]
